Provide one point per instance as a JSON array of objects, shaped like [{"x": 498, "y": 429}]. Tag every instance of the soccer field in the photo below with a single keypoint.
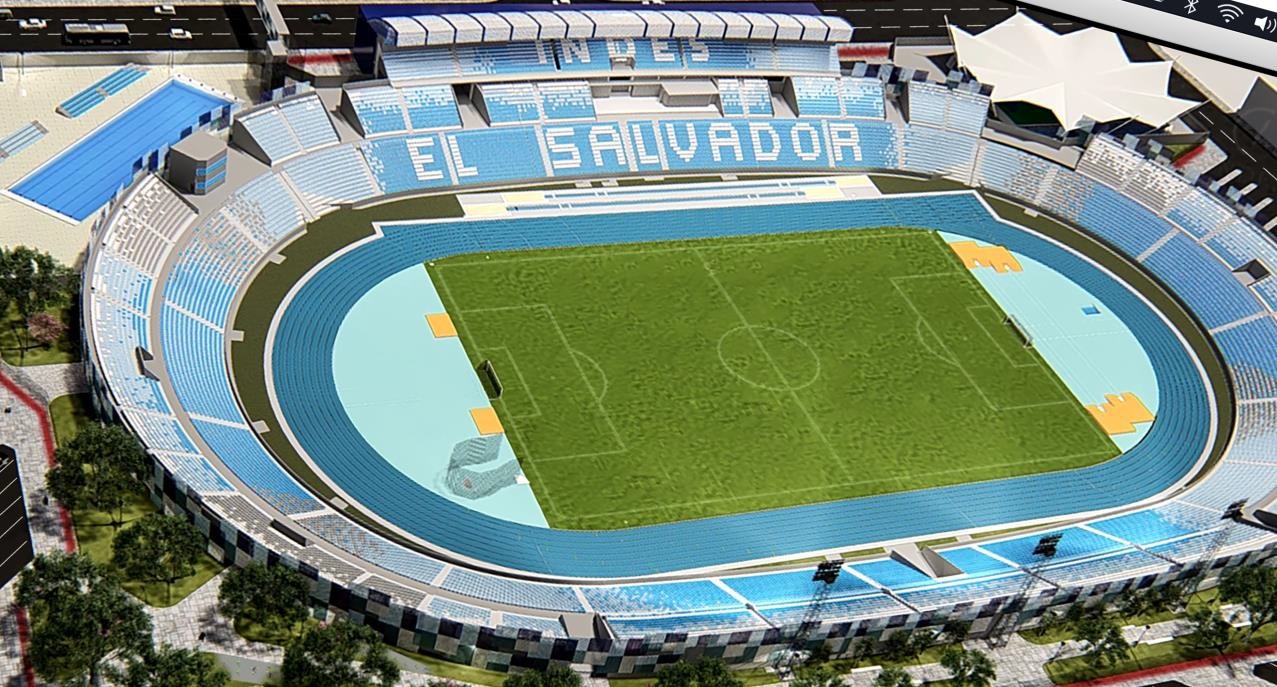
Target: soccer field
[{"x": 653, "y": 382}]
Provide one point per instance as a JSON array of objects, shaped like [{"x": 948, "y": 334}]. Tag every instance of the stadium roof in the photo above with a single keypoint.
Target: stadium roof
[
  {"x": 407, "y": 31},
  {"x": 1078, "y": 76}
]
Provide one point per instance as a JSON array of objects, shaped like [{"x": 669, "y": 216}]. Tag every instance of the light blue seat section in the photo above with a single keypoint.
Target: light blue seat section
[
  {"x": 21, "y": 139},
  {"x": 160, "y": 432},
  {"x": 972, "y": 562},
  {"x": 243, "y": 454},
  {"x": 769, "y": 589},
  {"x": 431, "y": 107},
  {"x": 1250, "y": 349},
  {"x": 566, "y": 100},
  {"x": 190, "y": 345},
  {"x": 1209, "y": 288},
  {"x": 664, "y": 597},
  {"x": 272, "y": 133},
  {"x": 548, "y": 627},
  {"x": 1074, "y": 543},
  {"x": 1121, "y": 221},
  {"x": 406, "y": 65},
  {"x": 1255, "y": 438},
  {"x": 817, "y": 96},
  {"x": 373, "y": 548},
  {"x": 97, "y": 94},
  {"x": 964, "y": 592},
  {"x": 893, "y": 574},
  {"x": 194, "y": 471},
  {"x": 967, "y": 112},
  {"x": 867, "y": 605},
  {"x": 512, "y": 592},
  {"x": 697, "y": 622},
  {"x": 928, "y": 103},
  {"x": 195, "y": 283},
  {"x": 1010, "y": 171},
  {"x": 510, "y": 103},
  {"x": 504, "y": 58},
  {"x": 308, "y": 120},
  {"x": 1266, "y": 289},
  {"x": 1198, "y": 213},
  {"x": 863, "y": 97},
  {"x": 1238, "y": 242},
  {"x": 459, "y": 612},
  {"x": 934, "y": 151},
  {"x": 267, "y": 209},
  {"x": 307, "y": 395},
  {"x": 83, "y": 178},
  {"x": 401, "y": 164},
  {"x": 124, "y": 282},
  {"x": 118, "y": 332},
  {"x": 1144, "y": 527},
  {"x": 331, "y": 177},
  {"x": 1129, "y": 559},
  {"x": 380, "y": 109}
]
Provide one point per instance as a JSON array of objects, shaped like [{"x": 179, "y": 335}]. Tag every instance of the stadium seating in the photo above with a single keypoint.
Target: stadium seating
[
  {"x": 862, "y": 97},
  {"x": 1121, "y": 221},
  {"x": 693, "y": 623},
  {"x": 194, "y": 471},
  {"x": 189, "y": 344},
  {"x": 1075, "y": 542},
  {"x": 1248, "y": 350},
  {"x": 512, "y": 592},
  {"x": 456, "y": 611},
  {"x": 380, "y": 110},
  {"x": 1208, "y": 287},
  {"x": 567, "y": 100},
  {"x": 668, "y": 597},
  {"x": 965, "y": 591},
  {"x": 20, "y": 139},
  {"x": 327, "y": 178},
  {"x": 267, "y": 211},
  {"x": 1145, "y": 527},
  {"x": 272, "y": 133},
  {"x": 306, "y": 117},
  {"x": 372, "y": 548},
  {"x": 1199, "y": 213},
  {"x": 409, "y": 65},
  {"x": 240, "y": 450},
  {"x": 776, "y": 589},
  {"x": 546, "y": 626},
  {"x": 866, "y": 606},
  {"x": 1237, "y": 243},
  {"x": 973, "y": 562},
  {"x": 431, "y": 107},
  {"x": 97, "y": 94},
  {"x": 931, "y": 151},
  {"x": 509, "y": 103},
  {"x": 1009, "y": 171},
  {"x": 817, "y": 96}
]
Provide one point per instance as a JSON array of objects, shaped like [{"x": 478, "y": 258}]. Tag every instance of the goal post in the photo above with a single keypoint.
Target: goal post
[
  {"x": 1020, "y": 332},
  {"x": 488, "y": 375}
]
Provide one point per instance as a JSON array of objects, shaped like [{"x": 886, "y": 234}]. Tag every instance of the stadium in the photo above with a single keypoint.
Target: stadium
[{"x": 582, "y": 335}]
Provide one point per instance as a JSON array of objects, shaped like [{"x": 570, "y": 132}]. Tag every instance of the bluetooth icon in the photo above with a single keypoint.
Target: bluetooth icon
[{"x": 1191, "y": 7}]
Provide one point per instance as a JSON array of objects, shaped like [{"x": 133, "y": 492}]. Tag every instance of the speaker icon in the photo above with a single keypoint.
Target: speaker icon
[{"x": 1266, "y": 24}]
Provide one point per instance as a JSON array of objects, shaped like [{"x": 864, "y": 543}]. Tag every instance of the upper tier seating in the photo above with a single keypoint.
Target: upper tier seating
[
  {"x": 289, "y": 127},
  {"x": 380, "y": 109},
  {"x": 97, "y": 94},
  {"x": 956, "y": 109},
  {"x": 431, "y": 107},
  {"x": 509, "y": 103},
  {"x": 567, "y": 100}
]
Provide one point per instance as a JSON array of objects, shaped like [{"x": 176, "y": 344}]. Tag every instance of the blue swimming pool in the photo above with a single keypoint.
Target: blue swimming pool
[{"x": 84, "y": 177}]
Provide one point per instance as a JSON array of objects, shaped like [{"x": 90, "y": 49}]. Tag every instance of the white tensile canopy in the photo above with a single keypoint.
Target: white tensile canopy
[{"x": 1078, "y": 76}]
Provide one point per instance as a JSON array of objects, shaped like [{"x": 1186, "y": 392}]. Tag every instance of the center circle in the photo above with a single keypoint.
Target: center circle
[{"x": 768, "y": 358}]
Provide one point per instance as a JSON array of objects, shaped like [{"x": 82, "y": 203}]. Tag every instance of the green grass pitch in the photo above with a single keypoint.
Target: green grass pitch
[{"x": 654, "y": 382}]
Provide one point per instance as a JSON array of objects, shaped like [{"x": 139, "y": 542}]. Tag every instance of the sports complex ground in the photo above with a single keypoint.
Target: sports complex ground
[
  {"x": 736, "y": 351},
  {"x": 756, "y": 372}
]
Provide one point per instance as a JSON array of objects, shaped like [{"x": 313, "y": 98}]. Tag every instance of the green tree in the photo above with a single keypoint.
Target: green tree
[
  {"x": 80, "y": 619},
  {"x": 273, "y": 597},
  {"x": 1133, "y": 602},
  {"x": 704, "y": 672},
  {"x": 100, "y": 468},
  {"x": 1050, "y": 621},
  {"x": 1255, "y": 588},
  {"x": 31, "y": 281},
  {"x": 1210, "y": 632},
  {"x": 968, "y": 667},
  {"x": 341, "y": 654},
  {"x": 158, "y": 548},
  {"x": 956, "y": 631},
  {"x": 168, "y": 666},
  {"x": 893, "y": 677},
  {"x": 898, "y": 647},
  {"x": 1105, "y": 643},
  {"x": 554, "y": 676},
  {"x": 819, "y": 675}
]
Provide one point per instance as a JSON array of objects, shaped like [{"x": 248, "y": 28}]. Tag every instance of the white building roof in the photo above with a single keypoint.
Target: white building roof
[
  {"x": 489, "y": 27},
  {"x": 1078, "y": 76}
]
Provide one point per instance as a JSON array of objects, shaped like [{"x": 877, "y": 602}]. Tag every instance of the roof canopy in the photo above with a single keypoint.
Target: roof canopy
[
  {"x": 418, "y": 30},
  {"x": 1078, "y": 76}
]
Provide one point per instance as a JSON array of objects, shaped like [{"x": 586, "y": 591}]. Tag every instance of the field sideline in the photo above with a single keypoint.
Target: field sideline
[{"x": 648, "y": 383}]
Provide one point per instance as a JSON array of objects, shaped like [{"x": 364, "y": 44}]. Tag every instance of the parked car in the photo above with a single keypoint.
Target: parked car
[
  {"x": 179, "y": 34},
  {"x": 167, "y": 10},
  {"x": 6, "y": 13},
  {"x": 33, "y": 24}
]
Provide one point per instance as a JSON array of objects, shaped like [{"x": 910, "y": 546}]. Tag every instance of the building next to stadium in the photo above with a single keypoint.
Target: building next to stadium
[{"x": 487, "y": 101}]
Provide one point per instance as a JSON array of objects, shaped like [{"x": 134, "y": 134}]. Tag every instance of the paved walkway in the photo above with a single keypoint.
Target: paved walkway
[{"x": 47, "y": 382}]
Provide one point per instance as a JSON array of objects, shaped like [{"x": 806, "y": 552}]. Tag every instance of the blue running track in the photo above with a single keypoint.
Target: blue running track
[{"x": 83, "y": 179}]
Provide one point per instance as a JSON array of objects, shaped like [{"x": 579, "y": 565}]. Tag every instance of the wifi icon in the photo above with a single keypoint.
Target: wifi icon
[{"x": 1229, "y": 12}]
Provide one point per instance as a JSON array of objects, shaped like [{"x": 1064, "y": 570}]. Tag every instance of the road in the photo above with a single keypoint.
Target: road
[{"x": 212, "y": 27}]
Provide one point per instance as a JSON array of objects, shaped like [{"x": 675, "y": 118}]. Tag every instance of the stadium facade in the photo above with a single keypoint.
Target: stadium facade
[{"x": 504, "y": 100}]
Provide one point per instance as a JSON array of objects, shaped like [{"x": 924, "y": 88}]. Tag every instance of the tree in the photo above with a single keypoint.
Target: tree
[
  {"x": 98, "y": 469},
  {"x": 968, "y": 667},
  {"x": 1049, "y": 622},
  {"x": 820, "y": 675},
  {"x": 1133, "y": 602},
  {"x": 1105, "y": 643},
  {"x": 1210, "y": 632},
  {"x": 33, "y": 280},
  {"x": 81, "y": 619},
  {"x": 893, "y": 677},
  {"x": 554, "y": 676},
  {"x": 956, "y": 631},
  {"x": 341, "y": 654},
  {"x": 1255, "y": 588},
  {"x": 45, "y": 328},
  {"x": 898, "y": 647},
  {"x": 158, "y": 548},
  {"x": 169, "y": 666},
  {"x": 704, "y": 672},
  {"x": 274, "y": 597}
]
